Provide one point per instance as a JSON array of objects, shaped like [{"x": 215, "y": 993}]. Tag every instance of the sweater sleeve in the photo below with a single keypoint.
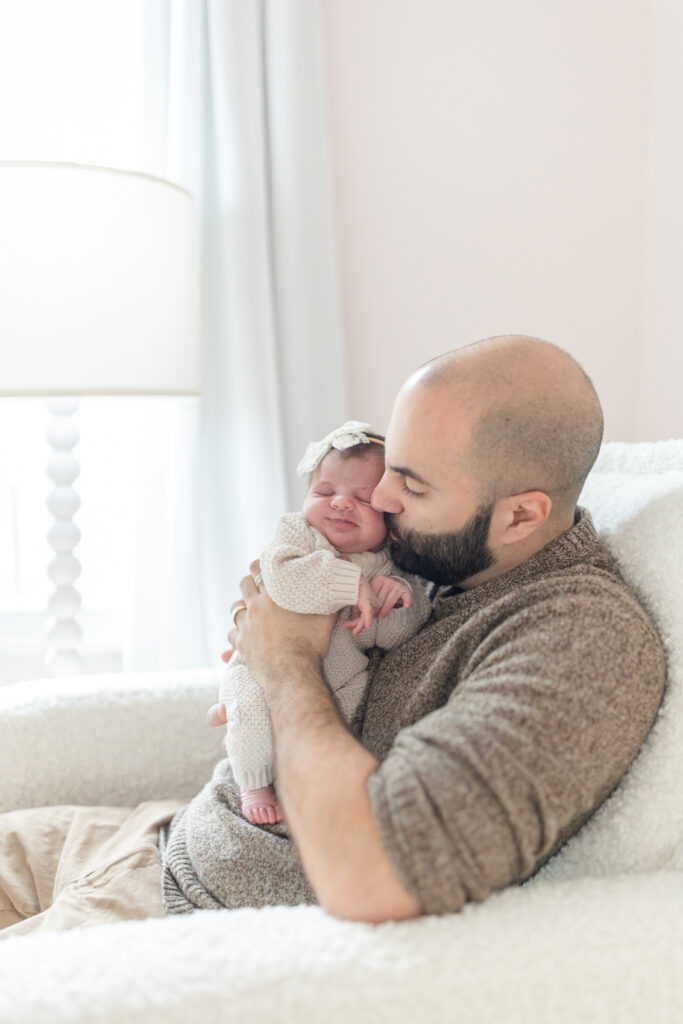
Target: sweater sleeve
[
  {"x": 303, "y": 573},
  {"x": 541, "y": 726}
]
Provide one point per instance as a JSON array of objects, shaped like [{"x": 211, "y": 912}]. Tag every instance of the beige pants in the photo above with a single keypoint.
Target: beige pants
[{"x": 67, "y": 866}]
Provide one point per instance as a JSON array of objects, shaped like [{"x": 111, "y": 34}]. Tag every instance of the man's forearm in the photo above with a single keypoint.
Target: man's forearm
[{"x": 322, "y": 784}]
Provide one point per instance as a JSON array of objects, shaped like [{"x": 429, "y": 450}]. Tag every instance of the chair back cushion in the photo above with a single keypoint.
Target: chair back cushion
[{"x": 635, "y": 495}]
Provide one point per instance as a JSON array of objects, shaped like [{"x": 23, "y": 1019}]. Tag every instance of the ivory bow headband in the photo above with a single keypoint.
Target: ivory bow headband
[{"x": 346, "y": 436}]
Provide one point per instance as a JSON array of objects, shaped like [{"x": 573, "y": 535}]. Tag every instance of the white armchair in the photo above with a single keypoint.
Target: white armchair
[{"x": 595, "y": 936}]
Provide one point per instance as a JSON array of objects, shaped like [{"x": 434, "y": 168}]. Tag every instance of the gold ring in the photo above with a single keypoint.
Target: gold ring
[{"x": 234, "y": 613}]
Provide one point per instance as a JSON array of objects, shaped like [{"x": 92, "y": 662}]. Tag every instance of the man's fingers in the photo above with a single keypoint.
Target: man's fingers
[
  {"x": 255, "y": 567},
  {"x": 216, "y": 715},
  {"x": 255, "y": 570},
  {"x": 236, "y": 609},
  {"x": 247, "y": 587}
]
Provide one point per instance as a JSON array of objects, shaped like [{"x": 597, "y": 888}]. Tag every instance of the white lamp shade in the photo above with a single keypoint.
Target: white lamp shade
[{"x": 99, "y": 283}]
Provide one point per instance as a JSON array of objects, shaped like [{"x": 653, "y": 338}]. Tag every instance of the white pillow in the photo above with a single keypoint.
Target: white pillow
[{"x": 635, "y": 494}]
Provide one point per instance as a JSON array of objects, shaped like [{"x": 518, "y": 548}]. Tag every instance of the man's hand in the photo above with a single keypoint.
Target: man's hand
[
  {"x": 331, "y": 823},
  {"x": 267, "y": 636},
  {"x": 216, "y": 715}
]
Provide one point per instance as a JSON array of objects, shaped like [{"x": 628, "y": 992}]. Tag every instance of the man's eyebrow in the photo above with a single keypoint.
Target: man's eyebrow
[{"x": 407, "y": 471}]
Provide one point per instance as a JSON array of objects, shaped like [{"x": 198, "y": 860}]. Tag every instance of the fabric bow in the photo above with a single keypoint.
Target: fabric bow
[{"x": 350, "y": 433}]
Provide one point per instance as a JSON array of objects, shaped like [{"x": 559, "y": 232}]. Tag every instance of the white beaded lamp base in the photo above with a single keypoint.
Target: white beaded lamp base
[{"x": 64, "y": 633}]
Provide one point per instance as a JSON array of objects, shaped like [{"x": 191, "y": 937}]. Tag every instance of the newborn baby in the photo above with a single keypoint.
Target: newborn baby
[{"x": 331, "y": 557}]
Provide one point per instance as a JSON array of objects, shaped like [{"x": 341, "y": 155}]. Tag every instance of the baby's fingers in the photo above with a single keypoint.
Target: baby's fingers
[
  {"x": 354, "y": 620},
  {"x": 355, "y": 624},
  {"x": 390, "y": 601},
  {"x": 405, "y": 597},
  {"x": 382, "y": 591},
  {"x": 367, "y": 614},
  {"x": 396, "y": 595}
]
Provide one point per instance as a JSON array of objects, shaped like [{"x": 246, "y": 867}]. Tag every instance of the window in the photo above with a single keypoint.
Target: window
[{"x": 79, "y": 75}]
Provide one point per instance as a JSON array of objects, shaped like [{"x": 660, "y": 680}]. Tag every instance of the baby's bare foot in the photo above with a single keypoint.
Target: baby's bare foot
[{"x": 260, "y": 806}]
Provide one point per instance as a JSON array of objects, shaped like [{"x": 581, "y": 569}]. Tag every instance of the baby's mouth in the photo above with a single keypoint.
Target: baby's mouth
[{"x": 342, "y": 524}]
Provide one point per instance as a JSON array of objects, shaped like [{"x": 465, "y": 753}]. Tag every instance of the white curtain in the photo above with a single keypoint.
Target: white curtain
[{"x": 235, "y": 112}]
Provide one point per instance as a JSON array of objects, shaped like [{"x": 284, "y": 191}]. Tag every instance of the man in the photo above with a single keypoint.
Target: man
[
  {"x": 488, "y": 738},
  {"x": 491, "y": 736}
]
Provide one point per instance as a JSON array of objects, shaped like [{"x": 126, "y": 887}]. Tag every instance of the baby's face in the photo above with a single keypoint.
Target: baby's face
[{"x": 338, "y": 502}]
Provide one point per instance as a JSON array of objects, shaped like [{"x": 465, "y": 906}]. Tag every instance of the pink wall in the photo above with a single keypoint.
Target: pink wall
[
  {"x": 660, "y": 372},
  {"x": 490, "y": 168}
]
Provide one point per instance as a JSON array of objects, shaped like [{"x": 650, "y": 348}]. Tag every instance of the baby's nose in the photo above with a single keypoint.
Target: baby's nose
[{"x": 342, "y": 501}]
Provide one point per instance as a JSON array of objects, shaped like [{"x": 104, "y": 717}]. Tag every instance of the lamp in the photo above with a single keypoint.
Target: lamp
[{"x": 99, "y": 295}]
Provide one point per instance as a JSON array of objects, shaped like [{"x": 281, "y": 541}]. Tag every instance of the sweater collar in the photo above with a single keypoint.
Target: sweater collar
[{"x": 572, "y": 546}]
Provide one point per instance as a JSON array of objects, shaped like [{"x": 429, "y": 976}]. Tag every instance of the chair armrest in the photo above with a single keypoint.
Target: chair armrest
[
  {"x": 107, "y": 739},
  {"x": 592, "y": 950}
]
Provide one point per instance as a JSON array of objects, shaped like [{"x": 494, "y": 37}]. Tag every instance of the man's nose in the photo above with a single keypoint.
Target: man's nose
[{"x": 382, "y": 498}]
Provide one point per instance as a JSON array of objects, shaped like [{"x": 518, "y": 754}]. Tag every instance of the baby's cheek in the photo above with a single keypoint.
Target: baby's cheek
[
  {"x": 313, "y": 513},
  {"x": 379, "y": 519},
  {"x": 379, "y": 526}
]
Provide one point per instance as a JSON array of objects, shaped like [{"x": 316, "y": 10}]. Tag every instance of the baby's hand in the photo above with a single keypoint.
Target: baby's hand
[
  {"x": 391, "y": 593},
  {"x": 366, "y": 608}
]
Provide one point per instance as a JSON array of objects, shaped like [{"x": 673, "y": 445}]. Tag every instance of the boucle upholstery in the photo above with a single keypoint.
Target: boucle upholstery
[
  {"x": 596, "y": 936},
  {"x": 636, "y": 495}
]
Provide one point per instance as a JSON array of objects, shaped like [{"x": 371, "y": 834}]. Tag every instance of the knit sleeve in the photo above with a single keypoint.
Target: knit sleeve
[
  {"x": 304, "y": 574},
  {"x": 544, "y": 720}
]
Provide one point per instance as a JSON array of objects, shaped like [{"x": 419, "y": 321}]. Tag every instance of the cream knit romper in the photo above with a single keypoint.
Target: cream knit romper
[{"x": 304, "y": 573}]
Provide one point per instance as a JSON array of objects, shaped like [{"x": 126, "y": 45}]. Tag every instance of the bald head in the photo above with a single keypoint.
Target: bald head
[{"x": 535, "y": 419}]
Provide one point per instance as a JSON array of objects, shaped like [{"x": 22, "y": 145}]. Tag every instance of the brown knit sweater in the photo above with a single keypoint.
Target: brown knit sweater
[{"x": 501, "y": 727}]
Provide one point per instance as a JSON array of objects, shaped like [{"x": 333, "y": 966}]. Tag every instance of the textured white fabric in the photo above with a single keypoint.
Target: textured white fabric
[
  {"x": 107, "y": 739},
  {"x": 635, "y": 493},
  {"x": 561, "y": 950},
  {"x": 303, "y": 572},
  {"x": 581, "y": 952}
]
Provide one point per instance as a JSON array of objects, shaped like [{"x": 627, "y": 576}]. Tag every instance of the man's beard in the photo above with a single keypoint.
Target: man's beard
[{"x": 444, "y": 558}]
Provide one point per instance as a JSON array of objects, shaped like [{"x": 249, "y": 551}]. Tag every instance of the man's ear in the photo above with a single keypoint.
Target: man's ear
[{"x": 524, "y": 514}]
